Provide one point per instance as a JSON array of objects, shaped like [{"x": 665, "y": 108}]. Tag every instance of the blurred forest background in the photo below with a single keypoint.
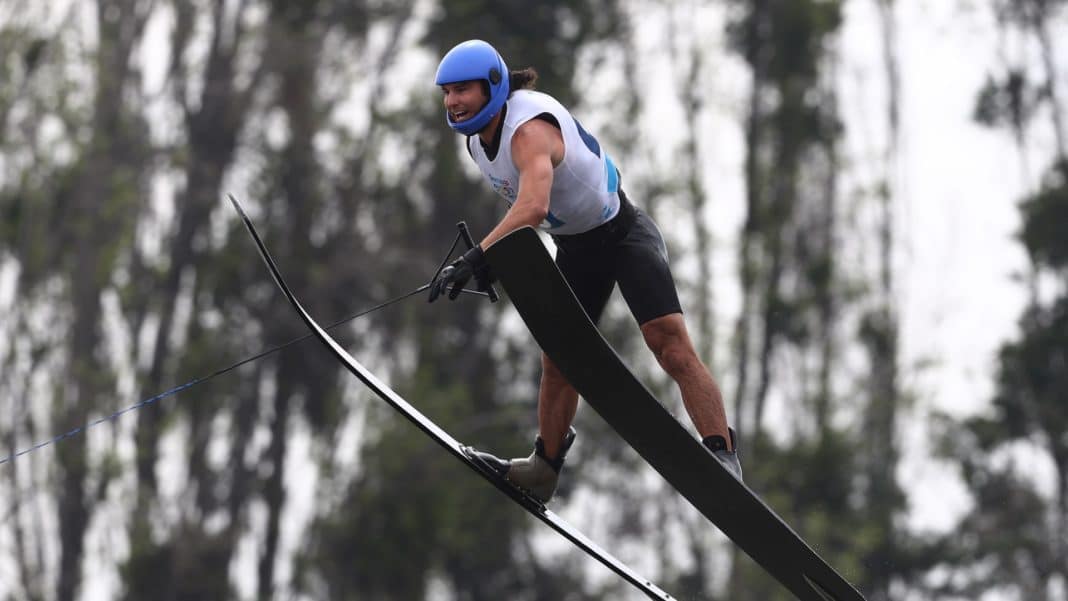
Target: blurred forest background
[{"x": 123, "y": 273}]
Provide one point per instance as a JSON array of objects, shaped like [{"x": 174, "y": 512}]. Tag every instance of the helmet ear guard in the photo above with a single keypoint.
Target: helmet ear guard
[{"x": 475, "y": 60}]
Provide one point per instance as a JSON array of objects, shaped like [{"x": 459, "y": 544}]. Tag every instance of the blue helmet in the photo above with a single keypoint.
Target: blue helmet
[{"x": 469, "y": 61}]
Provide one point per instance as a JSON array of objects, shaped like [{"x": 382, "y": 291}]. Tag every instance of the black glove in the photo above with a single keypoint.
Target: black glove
[{"x": 471, "y": 264}]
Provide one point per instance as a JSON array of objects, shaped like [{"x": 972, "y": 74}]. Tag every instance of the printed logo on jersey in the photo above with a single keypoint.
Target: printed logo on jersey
[
  {"x": 504, "y": 187},
  {"x": 508, "y": 191}
]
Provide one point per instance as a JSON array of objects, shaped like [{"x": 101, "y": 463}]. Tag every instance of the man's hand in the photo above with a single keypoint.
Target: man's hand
[{"x": 471, "y": 264}]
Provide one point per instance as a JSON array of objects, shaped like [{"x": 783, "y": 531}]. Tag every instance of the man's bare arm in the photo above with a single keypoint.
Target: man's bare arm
[{"x": 536, "y": 146}]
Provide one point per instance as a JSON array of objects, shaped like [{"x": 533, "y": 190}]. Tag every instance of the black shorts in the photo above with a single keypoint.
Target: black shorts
[{"x": 628, "y": 250}]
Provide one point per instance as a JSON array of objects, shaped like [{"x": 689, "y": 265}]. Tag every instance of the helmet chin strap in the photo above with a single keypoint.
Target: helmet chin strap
[
  {"x": 474, "y": 124},
  {"x": 477, "y": 112}
]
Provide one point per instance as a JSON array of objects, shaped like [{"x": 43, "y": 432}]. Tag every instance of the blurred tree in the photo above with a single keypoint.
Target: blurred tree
[
  {"x": 74, "y": 213},
  {"x": 1018, "y": 527},
  {"x": 800, "y": 299},
  {"x": 890, "y": 553},
  {"x": 211, "y": 94},
  {"x": 1037, "y": 18},
  {"x": 108, "y": 184},
  {"x": 32, "y": 170},
  {"x": 1014, "y": 94},
  {"x": 786, "y": 265}
]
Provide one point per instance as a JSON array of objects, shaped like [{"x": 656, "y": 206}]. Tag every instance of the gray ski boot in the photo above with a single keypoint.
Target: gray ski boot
[
  {"x": 536, "y": 475},
  {"x": 729, "y": 459}
]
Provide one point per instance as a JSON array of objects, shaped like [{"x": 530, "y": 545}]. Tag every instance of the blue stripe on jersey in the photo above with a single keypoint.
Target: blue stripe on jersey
[
  {"x": 613, "y": 174},
  {"x": 590, "y": 141}
]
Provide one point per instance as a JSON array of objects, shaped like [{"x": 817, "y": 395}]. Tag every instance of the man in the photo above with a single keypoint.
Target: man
[{"x": 555, "y": 175}]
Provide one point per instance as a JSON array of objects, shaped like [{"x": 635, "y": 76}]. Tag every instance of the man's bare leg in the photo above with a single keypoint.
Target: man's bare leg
[
  {"x": 667, "y": 337},
  {"x": 539, "y": 473},
  {"x": 557, "y": 405}
]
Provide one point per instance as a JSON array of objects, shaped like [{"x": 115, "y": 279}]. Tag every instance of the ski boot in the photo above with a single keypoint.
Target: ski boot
[
  {"x": 536, "y": 475},
  {"x": 729, "y": 459}
]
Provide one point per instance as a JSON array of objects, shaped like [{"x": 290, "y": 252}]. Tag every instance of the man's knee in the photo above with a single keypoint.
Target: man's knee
[
  {"x": 678, "y": 359},
  {"x": 666, "y": 337}
]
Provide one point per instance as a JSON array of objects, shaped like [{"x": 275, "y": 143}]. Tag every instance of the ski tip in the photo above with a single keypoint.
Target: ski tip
[{"x": 237, "y": 207}]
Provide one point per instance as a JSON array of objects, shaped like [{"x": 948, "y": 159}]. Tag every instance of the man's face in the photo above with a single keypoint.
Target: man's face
[{"x": 463, "y": 99}]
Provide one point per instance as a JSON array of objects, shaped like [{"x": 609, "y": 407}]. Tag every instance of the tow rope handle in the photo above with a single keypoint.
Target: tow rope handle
[{"x": 466, "y": 235}]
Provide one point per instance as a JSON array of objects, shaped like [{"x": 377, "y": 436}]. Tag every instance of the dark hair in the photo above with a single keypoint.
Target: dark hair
[{"x": 522, "y": 79}]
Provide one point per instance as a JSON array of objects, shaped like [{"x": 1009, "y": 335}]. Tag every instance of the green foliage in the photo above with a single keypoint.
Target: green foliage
[
  {"x": 544, "y": 35},
  {"x": 787, "y": 37},
  {"x": 353, "y": 16},
  {"x": 1011, "y": 101},
  {"x": 186, "y": 567},
  {"x": 1033, "y": 376},
  {"x": 1045, "y": 215},
  {"x": 413, "y": 512},
  {"x": 1013, "y": 537},
  {"x": 1015, "y": 530},
  {"x": 1010, "y": 538}
]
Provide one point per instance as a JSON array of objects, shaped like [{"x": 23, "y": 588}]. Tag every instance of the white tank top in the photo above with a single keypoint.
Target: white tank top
[{"x": 584, "y": 192}]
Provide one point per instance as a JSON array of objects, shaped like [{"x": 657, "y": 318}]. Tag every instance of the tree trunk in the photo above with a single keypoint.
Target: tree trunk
[
  {"x": 101, "y": 216},
  {"x": 212, "y": 130},
  {"x": 1040, "y": 23}
]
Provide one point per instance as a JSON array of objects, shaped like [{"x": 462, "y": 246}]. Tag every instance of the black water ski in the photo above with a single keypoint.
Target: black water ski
[
  {"x": 563, "y": 330},
  {"x": 447, "y": 441}
]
